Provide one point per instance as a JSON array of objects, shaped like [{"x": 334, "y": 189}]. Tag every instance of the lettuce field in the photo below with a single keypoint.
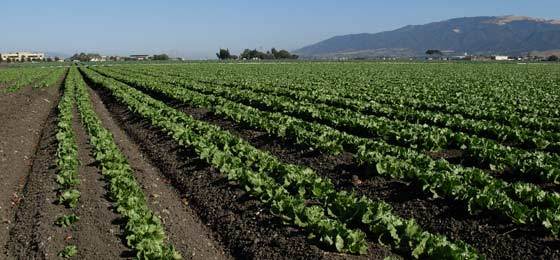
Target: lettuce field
[{"x": 302, "y": 160}]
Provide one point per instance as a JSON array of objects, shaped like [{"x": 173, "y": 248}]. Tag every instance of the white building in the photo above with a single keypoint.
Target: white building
[
  {"x": 100, "y": 58},
  {"x": 498, "y": 57},
  {"x": 140, "y": 57},
  {"x": 23, "y": 56}
]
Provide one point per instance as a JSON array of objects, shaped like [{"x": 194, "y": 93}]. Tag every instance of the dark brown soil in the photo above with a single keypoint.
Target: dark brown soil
[
  {"x": 183, "y": 228},
  {"x": 98, "y": 227},
  {"x": 36, "y": 212},
  {"x": 242, "y": 224},
  {"x": 98, "y": 234},
  {"x": 446, "y": 154},
  {"x": 490, "y": 234},
  {"x": 22, "y": 118},
  {"x": 34, "y": 234}
]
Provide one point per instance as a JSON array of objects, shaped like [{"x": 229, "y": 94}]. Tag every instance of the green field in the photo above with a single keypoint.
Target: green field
[{"x": 371, "y": 159}]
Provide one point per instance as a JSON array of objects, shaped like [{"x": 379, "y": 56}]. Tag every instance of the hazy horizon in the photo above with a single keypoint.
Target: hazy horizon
[{"x": 197, "y": 30}]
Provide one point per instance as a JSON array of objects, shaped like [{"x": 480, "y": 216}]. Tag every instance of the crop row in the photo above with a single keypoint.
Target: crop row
[
  {"x": 67, "y": 163},
  {"x": 35, "y": 77},
  {"x": 517, "y": 135},
  {"x": 429, "y": 91},
  {"x": 144, "y": 230},
  {"x": 542, "y": 140},
  {"x": 51, "y": 79},
  {"x": 439, "y": 177},
  {"x": 286, "y": 187},
  {"x": 67, "y": 150},
  {"x": 421, "y": 137},
  {"x": 8, "y": 76}
]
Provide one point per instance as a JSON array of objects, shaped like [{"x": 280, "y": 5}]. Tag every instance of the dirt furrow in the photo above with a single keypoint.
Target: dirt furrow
[
  {"x": 242, "y": 224},
  {"x": 493, "y": 236},
  {"x": 23, "y": 117},
  {"x": 98, "y": 226},
  {"x": 35, "y": 235},
  {"x": 183, "y": 228},
  {"x": 34, "y": 219}
]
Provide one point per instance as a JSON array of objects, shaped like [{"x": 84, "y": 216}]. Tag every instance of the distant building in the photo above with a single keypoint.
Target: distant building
[
  {"x": 100, "y": 58},
  {"x": 448, "y": 52},
  {"x": 460, "y": 57},
  {"x": 23, "y": 56},
  {"x": 139, "y": 57},
  {"x": 499, "y": 57}
]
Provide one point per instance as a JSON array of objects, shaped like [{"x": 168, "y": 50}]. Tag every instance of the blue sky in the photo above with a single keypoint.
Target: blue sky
[{"x": 196, "y": 29}]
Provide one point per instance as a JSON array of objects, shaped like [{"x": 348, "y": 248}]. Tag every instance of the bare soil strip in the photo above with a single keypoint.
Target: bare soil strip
[
  {"x": 34, "y": 222},
  {"x": 22, "y": 118},
  {"x": 97, "y": 234},
  {"x": 242, "y": 224},
  {"x": 491, "y": 235},
  {"x": 186, "y": 232},
  {"x": 35, "y": 235}
]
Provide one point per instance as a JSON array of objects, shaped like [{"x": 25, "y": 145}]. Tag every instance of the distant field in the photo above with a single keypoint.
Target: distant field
[{"x": 333, "y": 160}]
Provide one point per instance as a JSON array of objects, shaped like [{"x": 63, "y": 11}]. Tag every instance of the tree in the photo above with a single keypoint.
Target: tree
[
  {"x": 257, "y": 54},
  {"x": 1, "y": 60},
  {"x": 84, "y": 57},
  {"x": 223, "y": 54},
  {"x": 245, "y": 54},
  {"x": 283, "y": 54},
  {"x": 433, "y": 52},
  {"x": 552, "y": 58},
  {"x": 161, "y": 57},
  {"x": 269, "y": 55},
  {"x": 252, "y": 54},
  {"x": 56, "y": 58}
]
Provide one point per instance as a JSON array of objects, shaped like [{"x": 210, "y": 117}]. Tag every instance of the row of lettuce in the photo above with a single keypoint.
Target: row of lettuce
[
  {"x": 521, "y": 202},
  {"x": 512, "y": 134},
  {"x": 67, "y": 164},
  {"x": 510, "y": 95},
  {"x": 13, "y": 80},
  {"x": 421, "y": 137},
  {"x": 144, "y": 231},
  {"x": 340, "y": 219}
]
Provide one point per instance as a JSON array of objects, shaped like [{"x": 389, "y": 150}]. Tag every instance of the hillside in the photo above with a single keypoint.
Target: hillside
[{"x": 510, "y": 35}]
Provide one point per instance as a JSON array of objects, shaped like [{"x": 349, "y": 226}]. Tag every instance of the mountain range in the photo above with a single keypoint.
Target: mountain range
[{"x": 483, "y": 35}]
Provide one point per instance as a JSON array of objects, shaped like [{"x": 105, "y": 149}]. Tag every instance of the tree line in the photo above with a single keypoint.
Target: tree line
[{"x": 247, "y": 54}]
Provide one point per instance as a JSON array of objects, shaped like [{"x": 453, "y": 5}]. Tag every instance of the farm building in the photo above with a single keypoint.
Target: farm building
[
  {"x": 499, "y": 57},
  {"x": 139, "y": 57},
  {"x": 23, "y": 56}
]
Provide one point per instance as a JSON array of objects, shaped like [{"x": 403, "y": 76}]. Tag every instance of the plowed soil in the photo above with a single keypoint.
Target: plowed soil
[
  {"x": 23, "y": 116},
  {"x": 493, "y": 235},
  {"x": 205, "y": 216},
  {"x": 31, "y": 232},
  {"x": 242, "y": 224}
]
